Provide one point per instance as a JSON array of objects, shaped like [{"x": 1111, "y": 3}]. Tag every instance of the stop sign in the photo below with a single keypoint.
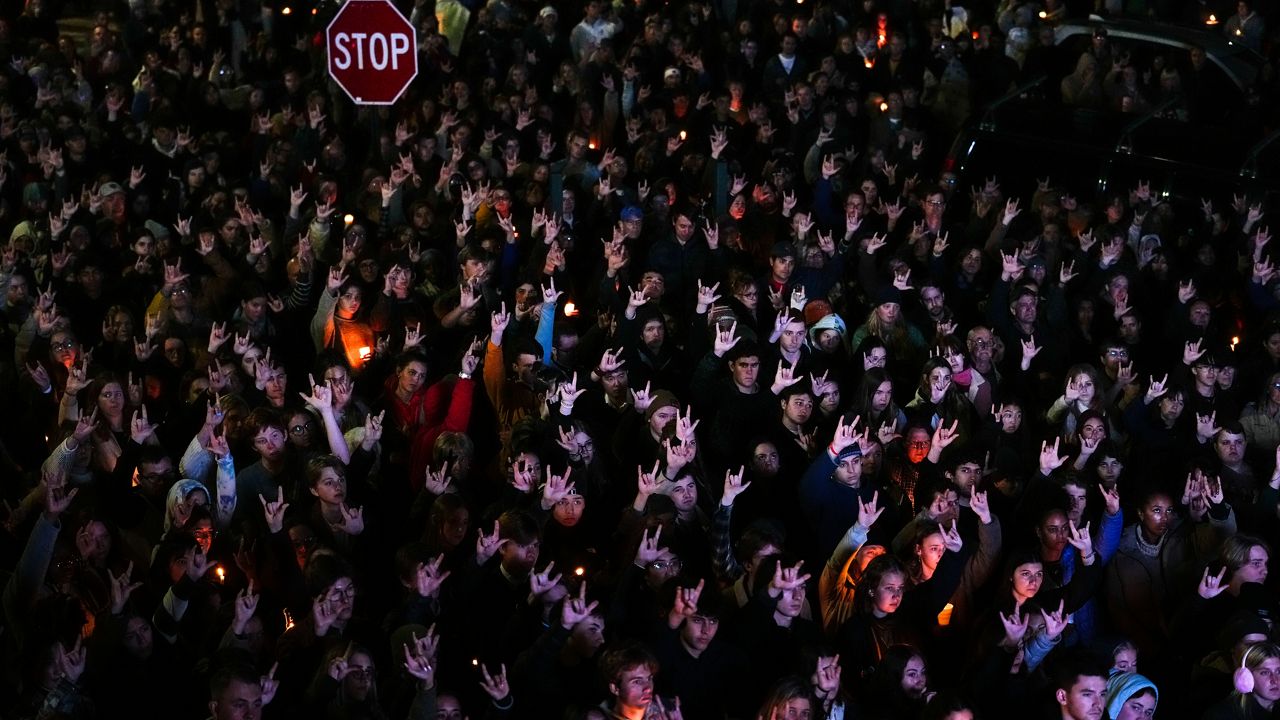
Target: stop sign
[{"x": 373, "y": 51}]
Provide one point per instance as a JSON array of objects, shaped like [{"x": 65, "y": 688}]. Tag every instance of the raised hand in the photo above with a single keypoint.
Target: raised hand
[
  {"x": 981, "y": 506},
  {"x": 121, "y": 588},
  {"x": 686, "y": 602},
  {"x": 274, "y": 511},
  {"x": 428, "y": 578},
  {"x": 488, "y": 544},
  {"x": 1015, "y": 628},
  {"x": 495, "y": 685},
  {"x": 557, "y": 488},
  {"x": 1055, "y": 622},
  {"x": 648, "y": 552},
  {"x": 733, "y": 486},
  {"x": 1050, "y": 460},
  {"x": 951, "y": 537},
  {"x": 575, "y": 610},
  {"x": 246, "y": 604},
  {"x": 787, "y": 578},
  {"x": 1211, "y": 586},
  {"x": 1081, "y": 540},
  {"x": 869, "y": 512}
]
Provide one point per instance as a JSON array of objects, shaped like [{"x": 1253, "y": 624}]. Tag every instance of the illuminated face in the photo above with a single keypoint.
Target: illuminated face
[
  {"x": 204, "y": 534},
  {"x": 966, "y": 477},
  {"x": 1010, "y": 418},
  {"x": 792, "y": 336},
  {"x": 1024, "y": 310},
  {"x": 653, "y": 333},
  {"x": 111, "y": 400},
  {"x": 1027, "y": 579},
  {"x": 1093, "y": 429},
  {"x": 933, "y": 301},
  {"x": 1086, "y": 700},
  {"x": 791, "y": 602},
  {"x": 1126, "y": 660},
  {"x": 782, "y": 267},
  {"x": 745, "y": 370},
  {"x": 634, "y": 688},
  {"x": 270, "y": 443},
  {"x": 915, "y": 678},
  {"x": 798, "y": 408},
  {"x": 876, "y": 357},
  {"x": 661, "y": 419},
  {"x": 1230, "y": 447},
  {"x": 254, "y": 309},
  {"x": 1266, "y": 681},
  {"x": 684, "y": 493},
  {"x": 881, "y": 398},
  {"x": 1109, "y": 469},
  {"x": 411, "y": 377},
  {"x": 930, "y": 551},
  {"x": 277, "y": 384},
  {"x": 1255, "y": 568},
  {"x": 1139, "y": 707},
  {"x": 1156, "y": 515},
  {"x": 519, "y": 559},
  {"x": 93, "y": 541},
  {"x": 1084, "y": 384},
  {"x": 330, "y": 487},
  {"x": 568, "y": 510},
  {"x": 1078, "y": 499},
  {"x": 888, "y": 594},
  {"x": 918, "y": 444},
  {"x": 887, "y": 313},
  {"x": 849, "y": 471}
]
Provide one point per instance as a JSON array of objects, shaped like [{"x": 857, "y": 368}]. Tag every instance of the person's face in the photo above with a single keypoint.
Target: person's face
[
  {"x": 1024, "y": 310},
  {"x": 204, "y": 534},
  {"x": 872, "y": 454},
  {"x": 930, "y": 550},
  {"x": 341, "y": 597},
  {"x": 330, "y": 487},
  {"x": 349, "y": 302},
  {"x": 971, "y": 263},
  {"x": 1255, "y": 568},
  {"x": 1171, "y": 406},
  {"x": 277, "y": 384},
  {"x": 888, "y": 594},
  {"x": 915, "y": 678},
  {"x": 254, "y": 309},
  {"x": 653, "y": 334},
  {"x": 519, "y": 559},
  {"x": 111, "y": 400},
  {"x": 1156, "y": 515},
  {"x": 798, "y": 408},
  {"x": 568, "y": 510},
  {"x": 358, "y": 684},
  {"x": 240, "y": 701},
  {"x": 1200, "y": 314},
  {"x": 1226, "y": 376},
  {"x": 939, "y": 379},
  {"x": 684, "y": 493},
  {"x": 782, "y": 267},
  {"x": 1109, "y": 469},
  {"x": 698, "y": 632},
  {"x": 1053, "y": 531},
  {"x": 1205, "y": 375},
  {"x": 1086, "y": 699},
  {"x": 155, "y": 477},
  {"x": 875, "y": 357},
  {"x": 936, "y": 202},
  {"x": 588, "y": 636},
  {"x": 749, "y": 296},
  {"x": 933, "y": 301},
  {"x": 955, "y": 360},
  {"x": 1230, "y": 448},
  {"x": 1027, "y": 579},
  {"x": 917, "y": 445},
  {"x": 1139, "y": 707},
  {"x": 883, "y": 395},
  {"x": 137, "y": 638},
  {"x": 1266, "y": 681},
  {"x": 792, "y": 336},
  {"x": 634, "y": 688},
  {"x": 764, "y": 460},
  {"x": 966, "y": 476},
  {"x": 412, "y": 377},
  {"x": 270, "y": 443},
  {"x": 615, "y": 384},
  {"x": 1093, "y": 429},
  {"x": 849, "y": 471},
  {"x": 887, "y": 313},
  {"x": 663, "y": 569},
  {"x": 1126, "y": 660},
  {"x": 1078, "y": 499},
  {"x": 143, "y": 246},
  {"x": 1084, "y": 384},
  {"x": 454, "y": 528},
  {"x": 64, "y": 348},
  {"x": 1010, "y": 419},
  {"x": 791, "y": 602}
]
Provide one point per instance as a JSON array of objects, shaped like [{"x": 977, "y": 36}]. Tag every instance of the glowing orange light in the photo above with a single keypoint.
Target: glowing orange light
[
  {"x": 570, "y": 309},
  {"x": 975, "y": 34},
  {"x": 682, "y": 135},
  {"x": 286, "y": 11},
  {"x": 1043, "y": 15},
  {"x": 1213, "y": 20},
  {"x": 884, "y": 107},
  {"x": 314, "y": 11},
  {"x": 869, "y": 63},
  {"x": 366, "y": 352},
  {"x": 135, "y": 477},
  {"x": 288, "y": 620},
  {"x": 944, "y": 617},
  {"x": 1235, "y": 340},
  {"x": 592, "y": 144},
  {"x": 221, "y": 573},
  {"x": 475, "y": 662},
  {"x": 348, "y": 219},
  {"x": 579, "y": 571}
]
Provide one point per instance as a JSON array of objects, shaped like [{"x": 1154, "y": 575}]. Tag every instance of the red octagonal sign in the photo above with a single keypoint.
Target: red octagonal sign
[{"x": 373, "y": 51}]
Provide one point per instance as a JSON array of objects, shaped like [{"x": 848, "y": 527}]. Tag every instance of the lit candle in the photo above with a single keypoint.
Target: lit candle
[
  {"x": 592, "y": 144},
  {"x": 366, "y": 352},
  {"x": 221, "y": 573},
  {"x": 869, "y": 63},
  {"x": 286, "y": 11},
  {"x": 579, "y": 571},
  {"x": 1213, "y": 20},
  {"x": 348, "y": 219},
  {"x": 682, "y": 136},
  {"x": 1235, "y": 340},
  {"x": 1043, "y": 15},
  {"x": 884, "y": 107},
  {"x": 944, "y": 617},
  {"x": 570, "y": 309}
]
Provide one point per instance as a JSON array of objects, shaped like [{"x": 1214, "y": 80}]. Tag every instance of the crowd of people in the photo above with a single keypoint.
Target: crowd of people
[{"x": 645, "y": 360}]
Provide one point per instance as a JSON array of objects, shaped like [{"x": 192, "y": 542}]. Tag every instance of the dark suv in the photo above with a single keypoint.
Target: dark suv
[{"x": 1205, "y": 142}]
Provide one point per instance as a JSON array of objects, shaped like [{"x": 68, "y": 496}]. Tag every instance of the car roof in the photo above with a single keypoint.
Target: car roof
[{"x": 1239, "y": 62}]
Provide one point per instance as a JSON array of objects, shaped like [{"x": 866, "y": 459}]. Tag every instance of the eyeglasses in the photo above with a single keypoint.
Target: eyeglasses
[
  {"x": 918, "y": 445},
  {"x": 301, "y": 428},
  {"x": 205, "y": 534},
  {"x": 347, "y": 593},
  {"x": 660, "y": 565},
  {"x": 157, "y": 477},
  {"x": 64, "y": 345},
  {"x": 1117, "y": 353},
  {"x": 361, "y": 671}
]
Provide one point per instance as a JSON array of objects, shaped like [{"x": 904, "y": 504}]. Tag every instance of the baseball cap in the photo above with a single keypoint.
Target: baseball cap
[
  {"x": 548, "y": 10},
  {"x": 632, "y": 212},
  {"x": 110, "y": 188}
]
